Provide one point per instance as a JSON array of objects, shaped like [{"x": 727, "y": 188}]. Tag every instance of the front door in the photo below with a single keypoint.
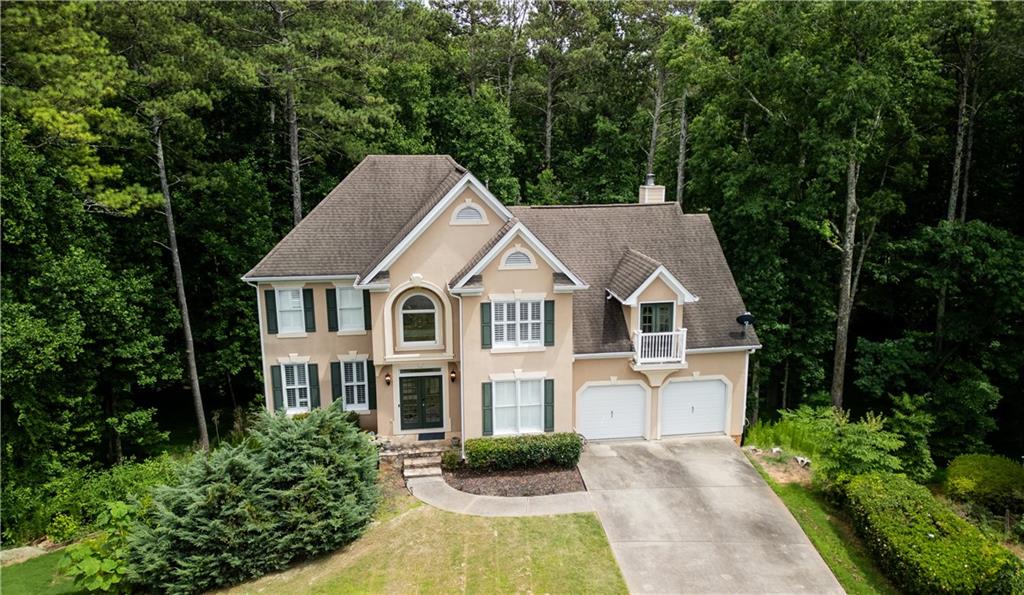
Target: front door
[
  {"x": 656, "y": 317},
  {"x": 420, "y": 401}
]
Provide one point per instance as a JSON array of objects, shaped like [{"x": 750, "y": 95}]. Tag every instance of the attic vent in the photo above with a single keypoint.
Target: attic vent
[
  {"x": 518, "y": 259},
  {"x": 469, "y": 214}
]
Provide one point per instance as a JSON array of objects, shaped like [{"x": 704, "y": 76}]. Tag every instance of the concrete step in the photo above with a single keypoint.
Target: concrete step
[
  {"x": 431, "y": 461},
  {"x": 411, "y": 472}
]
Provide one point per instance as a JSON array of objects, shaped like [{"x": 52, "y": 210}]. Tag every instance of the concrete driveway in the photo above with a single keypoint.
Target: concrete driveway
[{"x": 691, "y": 515}]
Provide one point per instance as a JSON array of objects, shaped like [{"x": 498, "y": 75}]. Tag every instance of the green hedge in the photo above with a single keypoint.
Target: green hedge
[
  {"x": 511, "y": 452},
  {"x": 924, "y": 546},
  {"x": 295, "y": 489},
  {"x": 990, "y": 480}
]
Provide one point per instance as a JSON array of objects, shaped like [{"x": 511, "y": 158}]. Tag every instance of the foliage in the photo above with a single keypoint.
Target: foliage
[
  {"x": 990, "y": 480},
  {"x": 803, "y": 430},
  {"x": 923, "y": 545},
  {"x": 511, "y": 452},
  {"x": 911, "y": 422},
  {"x": 99, "y": 563},
  {"x": 68, "y": 507},
  {"x": 451, "y": 459},
  {"x": 295, "y": 489}
]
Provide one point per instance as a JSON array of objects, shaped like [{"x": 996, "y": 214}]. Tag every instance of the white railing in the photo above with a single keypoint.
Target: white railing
[{"x": 660, "y": 348}]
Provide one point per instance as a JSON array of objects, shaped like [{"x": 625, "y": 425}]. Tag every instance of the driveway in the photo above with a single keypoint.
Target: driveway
[{"x": 691, "y": 515}]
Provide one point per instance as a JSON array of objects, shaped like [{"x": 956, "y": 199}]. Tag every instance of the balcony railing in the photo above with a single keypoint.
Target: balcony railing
[{"x": 660, "y": 348}]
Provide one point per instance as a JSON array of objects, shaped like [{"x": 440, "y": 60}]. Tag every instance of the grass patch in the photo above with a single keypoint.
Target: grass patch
[
  {"x": 413, "y": 548},
  {"x": 37, "y": 576},
  {"x": 832, "y": 536}
]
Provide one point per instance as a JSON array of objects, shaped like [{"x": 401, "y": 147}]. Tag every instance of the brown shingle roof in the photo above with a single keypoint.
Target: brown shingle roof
[
  {"x": 633, "y": 269},
  {"x": 363, "y": 218},
  {"x": 490, "y": 243},
  {"x": 590, "y": 240}
]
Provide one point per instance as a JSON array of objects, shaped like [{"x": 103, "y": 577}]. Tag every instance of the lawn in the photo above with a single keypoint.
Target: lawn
[
  {"x": 37, "y": 576},
  {"x": 415, "y": 548},
  {"x": 832, "y": 536}
]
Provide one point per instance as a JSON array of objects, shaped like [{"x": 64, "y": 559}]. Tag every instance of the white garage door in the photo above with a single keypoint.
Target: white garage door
[
  {"x": 615, "y": 411},
  {"x": 694, "y": 407}
]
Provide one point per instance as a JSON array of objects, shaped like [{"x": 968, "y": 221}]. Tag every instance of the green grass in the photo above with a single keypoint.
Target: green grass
[
  {"x": 832, "y": 536},
  {"x": 37, "y": 576}
]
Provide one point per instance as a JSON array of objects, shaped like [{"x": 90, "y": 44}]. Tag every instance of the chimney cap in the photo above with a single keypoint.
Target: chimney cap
[{"x": 649, "y": 180}]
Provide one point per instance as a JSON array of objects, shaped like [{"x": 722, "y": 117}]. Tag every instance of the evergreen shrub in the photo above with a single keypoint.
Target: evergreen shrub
[
  {"x": 295, "y": 489},
  {"x": 992, "y": 481},
  {"x": 561, "y": 449}
]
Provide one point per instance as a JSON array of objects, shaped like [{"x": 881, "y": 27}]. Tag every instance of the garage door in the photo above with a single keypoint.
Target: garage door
[
  {"x": 616, "y": 411},
  {"x": 695, "y": 407}
]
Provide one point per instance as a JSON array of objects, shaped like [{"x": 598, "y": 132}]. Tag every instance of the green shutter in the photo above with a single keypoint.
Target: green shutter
[
  {"x": 488, "y": 419},
  {"x": 270, "y": 297},
  {"x": 314, "y": 386},
  {"x": 549, "y": 322},
  {"x": 276, "y": 387},
  {"x": 307, "y": 306},
  {"x": 332, "y": 309},
  {"x": 367, "y": 315},
  {"x": 336, "y": 383},
  {"x": 371, "y": 384},
  {"x": 485, "y": 325},
  {"x": 549, "y": 405}
]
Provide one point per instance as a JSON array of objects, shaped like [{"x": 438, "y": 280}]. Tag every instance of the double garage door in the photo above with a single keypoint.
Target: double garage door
[{"x": 620, "y": 411}]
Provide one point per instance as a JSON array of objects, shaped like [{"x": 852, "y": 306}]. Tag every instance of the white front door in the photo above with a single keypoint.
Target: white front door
[
  {"x": 613, "y": 411},
  {"x": 693, "y": 407}
]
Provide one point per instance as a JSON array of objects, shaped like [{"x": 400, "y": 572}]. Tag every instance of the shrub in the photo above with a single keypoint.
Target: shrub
[
  {"x": 855, "y": 448},
  {"x": 923, "y": 545},
  {"x": 801, "y": 431},
  {"x": 100, "y": 562},
  {"x": 989, "y": 480},
  {"x": 295, "y": 489},
  {"x": 451, "y": 459},
  {"x": 510, "y": 452},
  {"x": 913, "y": 425}
]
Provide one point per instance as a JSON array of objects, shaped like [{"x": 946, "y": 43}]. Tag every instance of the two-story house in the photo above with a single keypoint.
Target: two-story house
[{"x": 419, "y": 300}]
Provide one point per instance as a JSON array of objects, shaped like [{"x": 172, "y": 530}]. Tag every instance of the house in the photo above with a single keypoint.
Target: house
[{"x": 434, "y": 311}]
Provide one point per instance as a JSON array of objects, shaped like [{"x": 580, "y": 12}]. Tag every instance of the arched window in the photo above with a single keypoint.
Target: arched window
[
  {"x": 517, "y": 258},
  {"x": 419, "y": 320},
  {"x": 469, "y": 214}
]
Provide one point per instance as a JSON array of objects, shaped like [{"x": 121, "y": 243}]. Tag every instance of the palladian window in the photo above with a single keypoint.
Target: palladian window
[{"x": 418, "y": 323}]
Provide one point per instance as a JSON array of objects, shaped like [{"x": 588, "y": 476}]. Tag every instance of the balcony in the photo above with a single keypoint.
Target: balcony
[{"x": 667, "y": 349}]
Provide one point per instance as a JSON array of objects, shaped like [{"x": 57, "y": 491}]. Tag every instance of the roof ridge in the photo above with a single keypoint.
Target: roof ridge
[{"x": 598, "y": 206}]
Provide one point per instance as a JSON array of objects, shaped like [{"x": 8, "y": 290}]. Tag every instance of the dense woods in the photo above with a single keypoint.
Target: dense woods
[{"x": 862, "y": 163}]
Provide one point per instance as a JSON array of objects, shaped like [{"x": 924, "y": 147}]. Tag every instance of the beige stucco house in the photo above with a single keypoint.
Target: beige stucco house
[{"x": 419, "y": 300}]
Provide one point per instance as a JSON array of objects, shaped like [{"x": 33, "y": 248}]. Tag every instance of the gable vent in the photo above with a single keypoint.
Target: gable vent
[
  {"x": 518, "y": 259},
  {"x": 469, "y": 213}
]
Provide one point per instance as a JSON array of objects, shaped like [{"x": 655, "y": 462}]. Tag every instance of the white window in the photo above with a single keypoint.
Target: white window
[
  {"x": 518, "y": 406},
  {"x": 353, "y": 385},
  {"x": 517, "y": 323},
  {"x": 419, "y": 324},
  {"x": 296, "y": 388},
  {"x": 290, "y": 315},
  {"x": 350, "y": 309}
]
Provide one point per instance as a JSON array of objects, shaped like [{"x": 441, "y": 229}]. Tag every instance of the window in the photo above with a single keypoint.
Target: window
[
  {"x": 518, "y": 406},
  {"x": 296, "y": 388},
  {"x": 656, "y": 317},
  {"x": 468, "y": 214},
  {"x": 350, "y": 309},
  {"x": 353, "y": 385},
  {"x": 419, "y": 320},
  {"x": 518, "y": 323},
  {"x": 290, "y": 316}
]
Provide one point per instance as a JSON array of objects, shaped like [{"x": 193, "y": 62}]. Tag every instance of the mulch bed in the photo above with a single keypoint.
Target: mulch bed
[{"x": 538, "y": 481}]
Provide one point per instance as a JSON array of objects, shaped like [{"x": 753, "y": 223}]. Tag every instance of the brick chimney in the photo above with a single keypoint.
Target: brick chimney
[{"x": 650, "y": 192}]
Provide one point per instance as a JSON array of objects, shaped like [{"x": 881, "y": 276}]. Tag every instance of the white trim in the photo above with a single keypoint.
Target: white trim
[
  {"x": 683, "y": 296},
  {"x": 293, "y": 358},
  {"x": 471, "y": 292},
  {"x": 390, "y": 356},
  {"x": 516, "y": 324},
  {"x": 614, "y": 381},
  {"x": 517, "y": 378},
  {"x": 437, "y": 342},
  {"x": 750, "y": 348},
  {"x": 608, "y": 355},
  {"x": 365, "y": 406},
  {"x": 534, "y": 243},
  {"x": 628, "y": 354},
  {"x": 746, "y": 368},
  {"x": 299, "y": 278},
  {"x": 698, "y": 378},
  {"x": 518, "y": 375},
  {"x": 292, "y": 332},
  {"x": 467, "y": 181},
  {"x": 268, "y": 399},
  {"x": 516, "y": 295},
  {"x": 517, "y": 249},
  {"x": 566, "y": 289},
  {"x": 469, "y": 204},
  {"x": 517, "y": 349},
  {"x": 413, "y": 370}
]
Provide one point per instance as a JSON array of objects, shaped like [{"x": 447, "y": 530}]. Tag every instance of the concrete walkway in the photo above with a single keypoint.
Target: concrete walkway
[
  {"x": 693, "y": 516},
  {"x": 437, "y": 493}
]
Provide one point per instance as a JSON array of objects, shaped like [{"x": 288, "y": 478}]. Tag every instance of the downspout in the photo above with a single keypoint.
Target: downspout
[
  {"x": 462, "y": 392},
  {"x": 746, "y": 387},
  {"x": 263, "y": 350}
]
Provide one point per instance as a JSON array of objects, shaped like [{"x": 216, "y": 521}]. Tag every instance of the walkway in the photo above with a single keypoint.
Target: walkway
[{"x": 437, "y": 493}]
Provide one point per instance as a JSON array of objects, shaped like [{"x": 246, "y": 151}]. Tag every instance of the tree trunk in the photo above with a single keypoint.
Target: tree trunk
[
  {"x": 293, "y": 148},
  {"x": 549, "y": 119},
  {"x": 179, "y": 281},
  {"x": 845, "y": 284},
  {"x": 785, "y": 384},
  {"x": 659, "y": 102},
  {"x": 684, "y": 137},
  {"x": 958, "y": 153},
  {"x": 970, "y": 147}
]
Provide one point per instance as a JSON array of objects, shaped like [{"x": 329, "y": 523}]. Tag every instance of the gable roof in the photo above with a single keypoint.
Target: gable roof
[
  {"x": 589, "y": 239},
  {"x": 362, "y": 217},
  {"x": 633, "y": 269}
]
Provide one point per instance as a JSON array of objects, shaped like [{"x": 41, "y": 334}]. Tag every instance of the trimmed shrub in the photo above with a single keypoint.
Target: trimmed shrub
[
  {"x": 294, "y": 489},
  {"x": 512, "y": 452},
  {"x": 992, "y": 481},
  {"x": 923, "y": 545},
  {"x": 451, "y": 459}
]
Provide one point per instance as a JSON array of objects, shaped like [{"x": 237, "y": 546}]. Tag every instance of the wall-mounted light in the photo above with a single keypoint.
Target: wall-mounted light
[
  {"x": 387, "y": 378},
  {"x": 453, "y": 375}
]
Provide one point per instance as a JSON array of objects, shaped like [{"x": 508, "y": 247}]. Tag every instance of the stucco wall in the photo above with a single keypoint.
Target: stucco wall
[{"x": 657, "y": 291}]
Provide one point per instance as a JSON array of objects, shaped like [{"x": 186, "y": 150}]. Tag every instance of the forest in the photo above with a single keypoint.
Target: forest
[{"x": 863, "y": 165}]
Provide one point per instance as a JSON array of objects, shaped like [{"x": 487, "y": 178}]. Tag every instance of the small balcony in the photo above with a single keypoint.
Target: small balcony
[{"x": 665, "y": 349}]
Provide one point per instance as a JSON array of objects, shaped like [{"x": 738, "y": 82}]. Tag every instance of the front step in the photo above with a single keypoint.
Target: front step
[
  {"x": 417, "y": 462},
  {"x": 411, "y": 472}
]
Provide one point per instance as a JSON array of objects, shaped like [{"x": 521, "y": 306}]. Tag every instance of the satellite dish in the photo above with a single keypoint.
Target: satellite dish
[{"x": 746, "y": 319}]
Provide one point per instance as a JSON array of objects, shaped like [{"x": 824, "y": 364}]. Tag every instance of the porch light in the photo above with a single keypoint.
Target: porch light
[
  {"x": 387, "y": 378},
  {"x": 453, "y": 375}
]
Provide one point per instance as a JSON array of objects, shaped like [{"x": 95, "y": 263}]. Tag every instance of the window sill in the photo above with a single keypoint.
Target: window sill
[
  {"x": 358, "y": 411},
  {"x": 351, "y": 332},
  {"x": 518, "y": 349},
  {"x": 292, "y": 335},
  {"x": 418, "y": 346}
]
